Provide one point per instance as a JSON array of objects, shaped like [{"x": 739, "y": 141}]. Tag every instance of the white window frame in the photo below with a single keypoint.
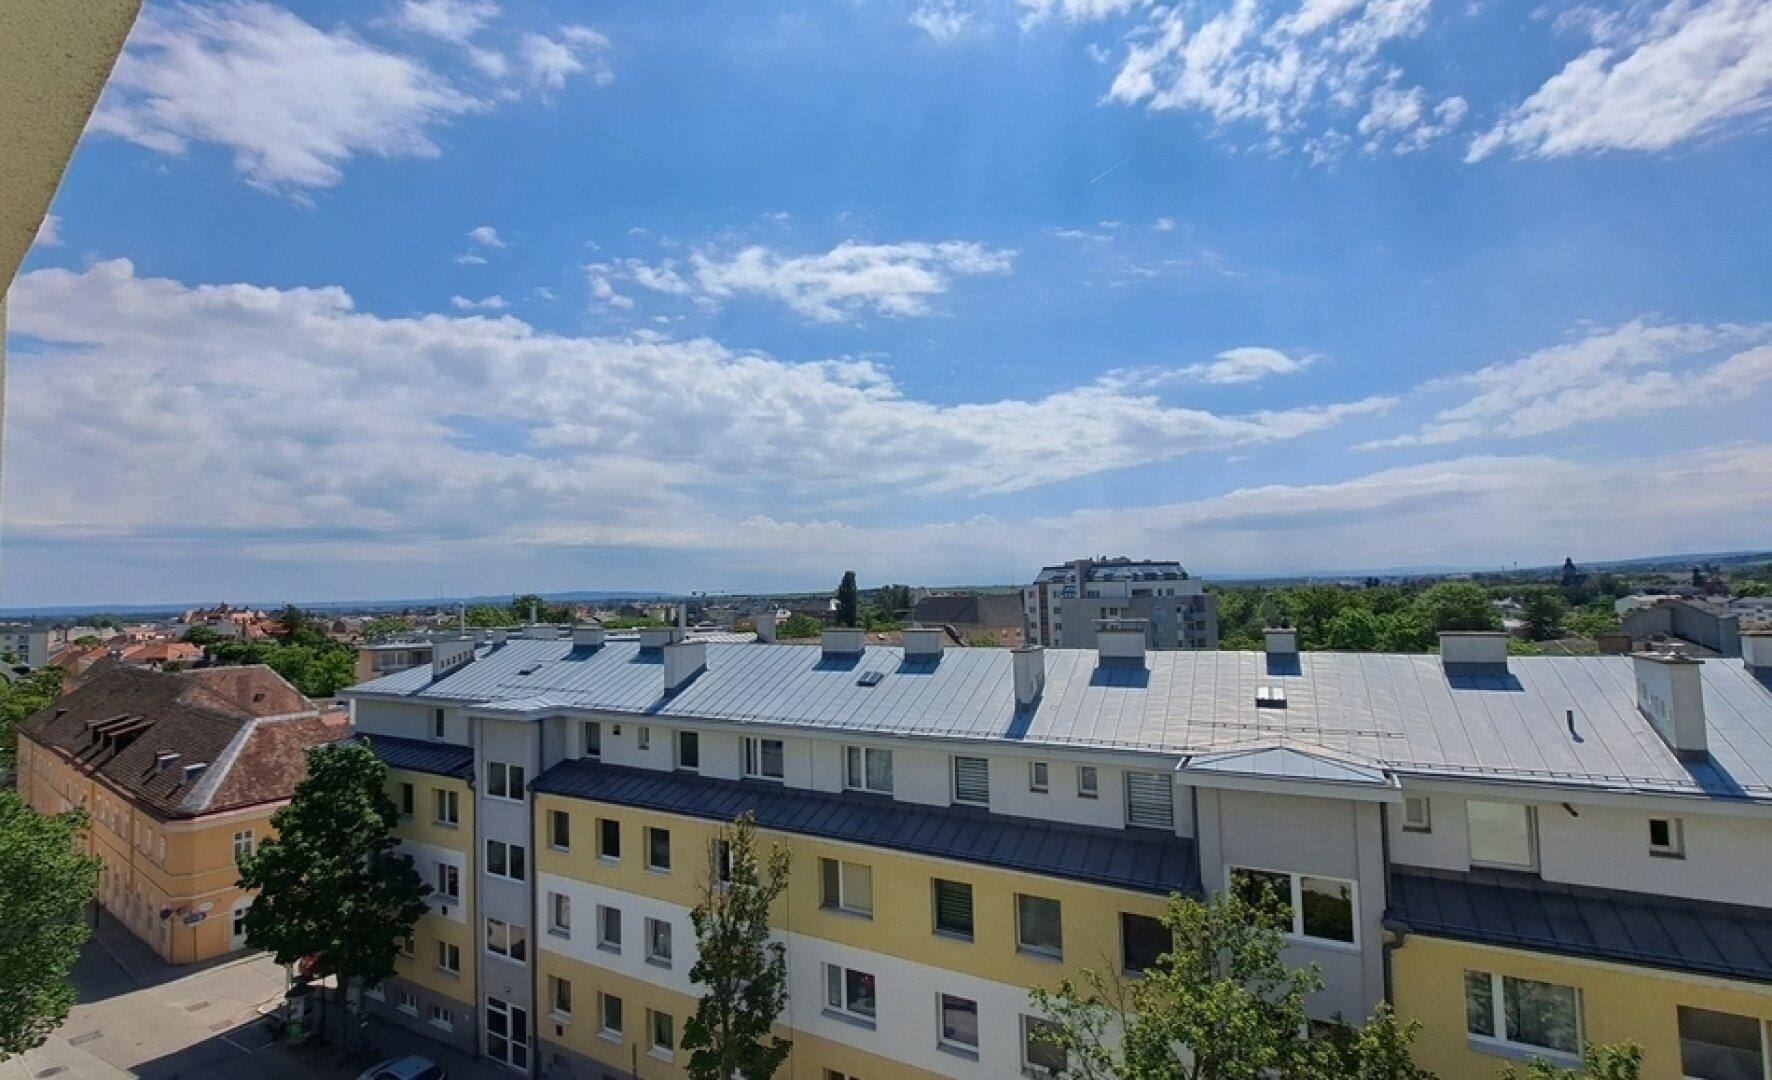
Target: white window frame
[
  {"x": 613, "y": 1034},
  {"x": 1418, "y": 814},
  {"x": 954, "y": 779},
  {"x": 1295, "y": 900},
  {"x": 446, "y": 807},
  {"x": 437, "y": 728},
  {"x": 449, "y": 883},
  {"x": 555, "y": 1013},
  {"x": 649, "y": 834},
  {"x": 654, "y": 1047},
  {"x": 836, "y": 993},
  {"x": 643, "y": 737},
  {"x": 242, "y": 842},
  {"x": 237, "y": 922},
  {"x": 515, "y": 857},
  {"x": 440, "y": 1018},
  {"x": 1028, "y": 1068},
  {"x": 507, "y": 940},
  {"x": 502, "y": 778},
  {"x": 1675, "y": 848},
  {"x": 647, "y": 927},
  {"x": 1027, "y": 948},
  {"x": 842, "y": 900},
  {"x": 855, "y": 769},
  {"x": 1501, "y": 1040},
  {"x": 677, "y": 750},
  {"x": 604, "y": 941},
  {"x": 753, "y": 759},
  {"x": 941, "y": 1000},
  {"x": 1039, "y": 777},
  {"x": 560, "y": 914},
  {"x": 406, "y": 1002},
  {"x": 448, "y": 951},
  {"x": 1531, "y": 862},
  {"x": 590, "y": 737},
  {"x": 1091, "y": 789},
  {"x": 554, "y": 841},
  {"x": 602, "y": 855},
  {"x": 1760, "y": 1026}
]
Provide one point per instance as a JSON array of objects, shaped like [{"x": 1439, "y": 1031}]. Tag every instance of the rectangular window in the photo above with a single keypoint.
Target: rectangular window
[
  {"x": 958, "y": 1019},
  {"x": 405, "y": 800},
  {"x": 658, "y": 941},
  {"x": 242, "y": 843},
  {"x": 448, "y": 958},
  {"x": 846, "y": 886},
  {"x": 1522, "y": 1012},
  {"x": 448, "y": 807},
  {"x": 643, "y": 737},
  {"x": 1039, "y": 926},
  {"x": 1150, "y": 800},
  {"x": 972, "y": 781},
  {"x": 560, "y": 830},
  {"x": 1667, "y": 838},
  {"x": 722, "y": 855},
  {"x": 1720, "y": 1046},
  {"x": 1501, "y": 834},
  {"x": 560, "y": 913},
  {"x": 406, "y": 1003},
  {"x": 689, "y": 751},
  {"x": 611, "y": 1015},
  {"x": 448, "y": 881},
  {"x": 507, "y": 939},
  {"x": 504, "y": 781},
  {"x": 592, "y": 733},
  {"x": 1417, "y": 814},
  {"x": 1143, "y": 939},
  {"x": 608, "y": 839},
  {"x": 1038, "y": 1056},
  {"x": 663, "y": 1029},
  {"x": 437, "y": 724},
  {"x": 953, "y": 908},
  {"x": 609, "y": 928},
  {"x": 867, "y": 768},
  {"x": 506, "y": 860},
  {"x": 1039, "y": 777},
  {"x": 849, "y": 991},
  {"x": 764, "y": 759},
  {"x": 560, "y": 997},
  {"x": 1088, "y": 782},
  {"x": 1310, "y": 908},
  {"x": 440, "y": 1018},
  {"x": 658, "y": 849}
]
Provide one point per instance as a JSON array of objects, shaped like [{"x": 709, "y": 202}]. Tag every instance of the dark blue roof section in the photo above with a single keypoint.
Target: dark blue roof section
[
  {"x": 1503, "y": 908},
  {"x": 1148, "y": 861},
  {"x": 418, "y": 755}
]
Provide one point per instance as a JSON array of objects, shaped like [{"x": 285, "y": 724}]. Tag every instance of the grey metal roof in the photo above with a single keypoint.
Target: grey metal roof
[
  {"x": 1515, "y": 909},
  {"x": 418, "y": 755},
  {"x": 1146, "y": 860},
  {"x": 1286, "y": 763},
  {"x": 1404, "y": 712}
]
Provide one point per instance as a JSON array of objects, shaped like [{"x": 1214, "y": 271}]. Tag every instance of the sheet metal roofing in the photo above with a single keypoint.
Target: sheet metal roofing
[
  {"x": 1501, "y": 908},
  {"x": 1146, "y": 860},
  {"x": 1403, "y": 712},
  {"x": 420, "y": 755}
]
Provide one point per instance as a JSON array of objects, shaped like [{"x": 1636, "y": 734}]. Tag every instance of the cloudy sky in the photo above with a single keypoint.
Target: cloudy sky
[{"x": 421, "y": 297}]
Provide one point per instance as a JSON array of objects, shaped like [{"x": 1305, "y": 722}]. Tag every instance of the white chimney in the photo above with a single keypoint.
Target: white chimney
[
  {"x": 588, "y": 636},
  {"x": 843, "y": 641},
  {"x": 447, "y": 654},
  {"x": 657, "y": 637},
  {"x": 1670, "y": 694},
  {"x": 497, "y": 637},
  {"x": 1281, "y": 641},
  {"x": 166, "y": 759},
  {"x": 923, "y": 643},
  {"x": 541, "y": 631},
  {"x": 766, "y": 628},
  {"x": 1120, "y": 646},
  {"x": 1756, "y": 651},
  {"x": 1482, "y": 647},
  {"x": 683, "y": 660},
  {"x": 1028, "y": 663}
]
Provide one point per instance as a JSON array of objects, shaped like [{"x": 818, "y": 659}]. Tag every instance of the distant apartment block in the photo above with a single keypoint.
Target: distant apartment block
[
  {"x": 28, "y": 645},
  {"x": 1705, "y": 623},
  {"x": 1069, "y": 602}
]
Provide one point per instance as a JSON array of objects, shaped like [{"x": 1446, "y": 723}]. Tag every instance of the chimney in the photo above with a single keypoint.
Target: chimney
[
  {"x": 165, "y": 759},
  {"x": 1670, "y": 694},
  {"x": 497, "y": 637},
  {"x": 923, "y": 644},
  {"x": 194, "y": 770},
  {"x": 447, "y": 654},
  {"x": 587, "y": 637},
  {"x": 1120, "y": 646},
  {"x": 766, "y": 628},
  {"x": 657, "y": 637},
  {"x": 1756, "y": 651},
  {"x": 843, "y": 641},
  {"x": 1281, "y": 641},
  {"x": 541, "y": 631},
  {"x": 1473, "y": 648},
  {"x": 1028, "y": 663},
  {"x": 683, "y": 660}
]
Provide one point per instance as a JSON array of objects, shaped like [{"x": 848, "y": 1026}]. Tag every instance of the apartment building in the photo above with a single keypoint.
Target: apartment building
[
  {"x": 1521, "y": 852},
  {"x": 29, "y": 645},
  {"x": 180, "y": 773},
  {"x": 1068, "y": 603}
]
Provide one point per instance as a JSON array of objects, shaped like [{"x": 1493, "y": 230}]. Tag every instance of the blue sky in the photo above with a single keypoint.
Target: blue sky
[{"x": 428, "y": 297}]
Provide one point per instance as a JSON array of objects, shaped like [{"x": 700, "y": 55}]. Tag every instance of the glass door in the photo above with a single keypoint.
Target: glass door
[{"x": 507, "y": 1033}]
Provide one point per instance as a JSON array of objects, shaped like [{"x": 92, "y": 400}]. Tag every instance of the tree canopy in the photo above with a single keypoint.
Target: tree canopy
[
  {"x": 848, "y": 601},
  {"x": 20, "y": 698},
  {"x": 46, "y": 881}
]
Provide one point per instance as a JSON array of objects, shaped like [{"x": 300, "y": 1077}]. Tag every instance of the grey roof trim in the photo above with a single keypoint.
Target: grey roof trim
[{"x": 197, "y": 799}]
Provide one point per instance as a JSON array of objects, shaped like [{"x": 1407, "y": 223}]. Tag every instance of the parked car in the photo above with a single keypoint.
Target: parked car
[{"x": 410, "y": 1067}]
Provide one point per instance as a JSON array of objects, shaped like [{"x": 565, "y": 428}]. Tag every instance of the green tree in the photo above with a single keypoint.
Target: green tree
[
  {"x": 46, "y": 881},
  {"x": 1593, "y": 620},
  {"x": 1456, "y": 605},
  {"x": 385, "y": 626},
  {"x": 292, "y": 621},
  {"x": 1223, "y": 993},
  {"x": 27, "y": 694},
  {"x": 311, "y": 662},
  {"x": 892, "y": 600},
  {"x": 1354, "y": 629},
  {"x": 1620, "y": 1061},
  {"x": 89, "y": 640},
  {"x": 848, "y": 612},
  {"x": 799, "y": 626},
  {"x": 744, "y": 973},
  {"x": 200, "y": 634},
  {"x": 1544, "y": 615},
  {"x": 330, "y": 883},
  {"x": 1311, "y": 607}
]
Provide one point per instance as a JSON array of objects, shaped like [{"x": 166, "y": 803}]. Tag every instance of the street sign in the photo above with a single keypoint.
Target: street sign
[{"x": 193, "y": 920}]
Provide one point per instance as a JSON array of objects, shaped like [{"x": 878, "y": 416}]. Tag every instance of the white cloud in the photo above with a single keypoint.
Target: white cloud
[
  {"x": 602, "y": 290},
  {"x": 49, "y": 231},
  {"x": 846, "y": 282},
  {"x": 1034, "y": 12},
  {"x": 549, "y": 62},
  {"x": 468, "y": 258},
  {"x": 494, "y": 302},
  {"x": 1164, "y": 224},
  {"x": 486, "y": 236},
  {"x": 1694, "y": 67},
  {"x": 1601, "y": 375},
  {"x": 455, "y": 21},
  {"x": 943, "y": 20},
  {"x": 1244, "y": 364}
]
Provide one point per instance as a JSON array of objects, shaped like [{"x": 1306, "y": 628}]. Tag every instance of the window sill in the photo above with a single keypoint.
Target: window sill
[
  {"x": 1033, "y": 953},
  {"x": 446, "y": 824},
  {"x": 507, "y": 959},
  {"x": 864, "y": 916},
  {"x": 659, "y": 962},
  {"x": 962, "y": 1052},
  {"x": 1330, "y": 944},
  {"x": 614, "y": 949},
  {"x": 555, "y": 931},
  {"x": 954, "y": 935},
  {"x": 448, "y": 973},
  {"x": 562, "y": 849},
  {"x": 610, "y": 1036},
  {"x": 661, "y": 871},
  {"x": 661, "y": 1055},
  {"x": 1483, "y": 1044},
  {"x": 609, "y": 860},
  {"x": 559, "y": 1017},
  {"x": 408, "y": 1010},
  {"x": 1667, "y": 855},
  {"x": 850, "y": 1018},
  {"x": 441, "y": 1026}
]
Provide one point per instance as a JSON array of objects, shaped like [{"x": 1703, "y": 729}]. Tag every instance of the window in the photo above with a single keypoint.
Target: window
[
  {"x": 972, "y": 781},
  {"x": 560, "y": 997},
  {"x": 1142, "y": 940},
  {"x": 953, "y": 908},
  {"x": 643, "y": 737},
  {"x": 507, "y": 1033},
  {"x": 1417, "y": 814},
  {"x": 1039, "y": 1057},
  {"x": 1039, "y": 926},
  {"x": 663, "y": 1031},
  {"x": 406, "y": 947},
  {"x": 610, "y": 1014},
  {"x": 867, "y": 768},
  {"x": 448, "y": 881},
  {"x": 593, "y": 738},
  {"x": 1039, "y": 777},
  {"x": 560, "y": 830},
  {"x": 658, "y": 941},
  {"x": 689, "y": 751},
  {"x": 1720, "y": 1046},
  {"x": 608, "y": 928},
  {"x": 448, "y": 958},
  {"x": 242, "y": 843},
  {"x": 722, "y": 855},
  {"x": 560, "y": 913},
  {"x": 1088, "y": 782},
  {"x": 958, "y": 1021},
  {"x": 238, "y": 926},
  {"x": 448, "y": 807},
  {"x": 658, "y": 849},
  {"x": 846, "y": 886},
  {"x": 1314, "y": 908},
  {"x": 405, "y": 800},
  {"x": 1667, "y": 838},
  {"x": 1150, "y": 800},
  {"x": 608, "y": 839},
  {"x": 1522, "y": 1012},
  {"x": 505, "y": 860},
  {"x": 1501, "y": 834},
  {"x": 440, "y": 1018},
  {"x": 405, "y": 1002},
  {"x": 763, "y": 759},
  {"x": 504, "y": 781},
  {"x": 437, "y": 724},
  {"x": 849, "y": 991},
  {"x": 507, "y": 940}
]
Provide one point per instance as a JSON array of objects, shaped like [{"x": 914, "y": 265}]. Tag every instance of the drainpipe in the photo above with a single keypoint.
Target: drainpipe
[{"x": 1389, "y": 940}]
